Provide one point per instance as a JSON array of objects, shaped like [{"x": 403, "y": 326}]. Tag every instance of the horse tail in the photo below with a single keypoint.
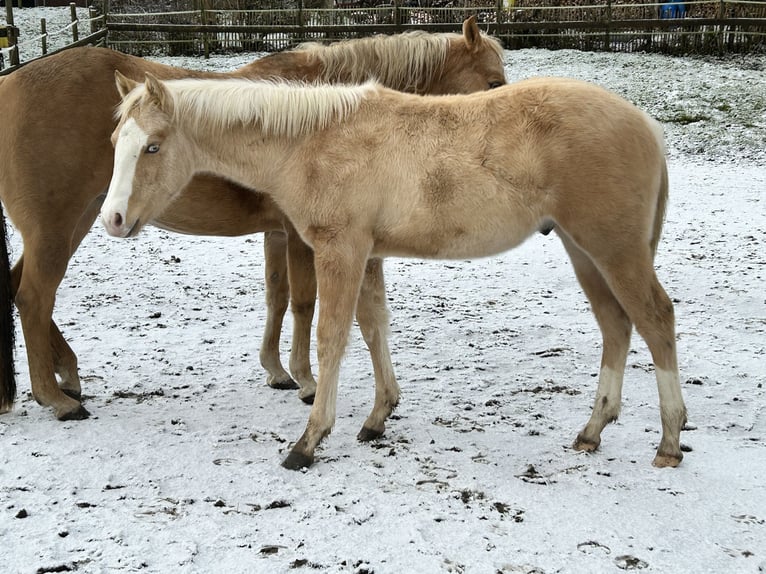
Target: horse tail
[
  {"x": 662, "y": 197},
  {"x": 662, "y": 204},
  {"x": 7, "y": 332}
]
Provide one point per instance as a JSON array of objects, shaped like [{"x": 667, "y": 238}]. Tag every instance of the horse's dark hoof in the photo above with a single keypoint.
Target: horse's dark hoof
[
  {"x": 367, "y": 434},
  {"x": 585, "y": 444},
  {"x": 297, "y": 461},
  {"x": 76, "y": 395},
  {"x": 309, "y": 400},
  {"x": 76, "y": 415},
  {"x": 668, "y": 460},
  {"x": 285, "y": 385}
]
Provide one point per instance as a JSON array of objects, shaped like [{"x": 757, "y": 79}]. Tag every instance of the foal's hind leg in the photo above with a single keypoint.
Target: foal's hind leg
[
  {"x": 632, "y": 279},
  {"x": 616, "y": 330},
  {"x": 372, "y": 316},
  {"x": 277, "y": 288},
  {"x": 303, "y": 295}
]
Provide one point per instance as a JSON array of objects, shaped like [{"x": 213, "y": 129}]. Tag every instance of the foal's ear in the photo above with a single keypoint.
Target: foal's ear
[
  {"x": 471, "y": 33},
  {"x": 158, "y": 93},
  {"x": 124, "y": 84}
]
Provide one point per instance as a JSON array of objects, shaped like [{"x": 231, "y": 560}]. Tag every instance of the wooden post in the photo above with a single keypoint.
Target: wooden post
[
  {"x": 499, "y": 12},
  {"x": 44, "y": 34},
  {"x": 398, "y": 15},
  {"x": 721, "y": 26},
  {"x": 301, "y": 16},
  {"x": 106, "y": 22},
  {"x": 205, "y": 37},
  {"x": 13, "y": 55},
  {"x": 73, "y": 11},
  {"x": 92, "y": 18},
  {"x": 607, "y": 33}
]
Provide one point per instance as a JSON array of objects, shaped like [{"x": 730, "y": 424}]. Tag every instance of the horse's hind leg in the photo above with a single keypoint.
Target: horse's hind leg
[
  {"x": 632, "y": 279},
  {"x": 64, "y": 358},
  {"x": 372, "y": 316},
  {"x": 616, "y": 330},
  {"x": 40, "y": 276},
  {"x": 303, "y": 294},
  {"x": 277, "y": 288}
]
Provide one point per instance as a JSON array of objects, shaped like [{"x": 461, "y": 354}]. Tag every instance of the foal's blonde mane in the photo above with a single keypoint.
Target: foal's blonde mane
[
  {"x": 278, "y": 108},
  {"x": 404, "y": 62}
]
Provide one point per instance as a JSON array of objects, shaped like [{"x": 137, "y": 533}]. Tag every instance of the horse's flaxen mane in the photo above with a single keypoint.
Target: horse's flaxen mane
[
  {"x": 404, "y": 62},
  {"x": 278, "y": 108}
]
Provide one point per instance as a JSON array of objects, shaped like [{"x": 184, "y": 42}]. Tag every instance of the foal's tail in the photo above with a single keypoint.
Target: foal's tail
[
  {"x": 662, "y": 204},
  {"x": 7, "y": 343},
  {"x": 662, "y": 196}
]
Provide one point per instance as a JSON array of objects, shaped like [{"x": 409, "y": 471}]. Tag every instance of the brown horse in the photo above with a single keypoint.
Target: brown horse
[
  {"x": 57, "y": 116},
  {"x": 364, "y": 171}
]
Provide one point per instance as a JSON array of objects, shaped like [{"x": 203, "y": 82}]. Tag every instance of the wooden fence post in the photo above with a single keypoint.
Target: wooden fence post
[
  {"x": 92, "y": 18},
  {"x": 205, "y": 37},
  {"x": 301, "y": 23},
  {"x": 105, "y": 23},
  {"x": 73, "y": 12},
  {"x": 721, "y": 26},
  {"x": 607, "y": 32},
  {"x": 44, "y": 34},
  {"x": 13, "y": 55}
]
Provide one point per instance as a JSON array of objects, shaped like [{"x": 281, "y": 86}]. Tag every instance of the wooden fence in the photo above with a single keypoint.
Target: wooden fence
[
  {"x": 695, "y": 26},
  {"x": 94, "y": 32}
]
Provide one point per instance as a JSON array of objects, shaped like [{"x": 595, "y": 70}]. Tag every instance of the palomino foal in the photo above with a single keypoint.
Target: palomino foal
[{"x": 363, "y": 171}]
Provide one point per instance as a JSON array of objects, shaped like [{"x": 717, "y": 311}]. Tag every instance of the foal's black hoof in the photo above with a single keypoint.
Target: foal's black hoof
[
  {"x": 309, "y": 400},
  {"x": 76, "y": 415},
  {"x": 297, "y": 461},
  {"x": 76, "y": 395},
  {"x": 286, "y": 385},
  {"x": 367, "y": 434}
]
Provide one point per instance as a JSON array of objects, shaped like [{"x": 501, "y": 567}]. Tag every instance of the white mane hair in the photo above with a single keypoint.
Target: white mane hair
[
  {"x": 277, "y": 107},
  {"x": 403, "y": 62}
]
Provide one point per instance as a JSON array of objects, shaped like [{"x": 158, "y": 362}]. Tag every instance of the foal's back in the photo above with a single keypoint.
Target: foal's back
[{"x": 472, "y": 175}]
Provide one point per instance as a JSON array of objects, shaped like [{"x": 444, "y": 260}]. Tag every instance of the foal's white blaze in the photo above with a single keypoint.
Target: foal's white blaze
[{"x": 131, "y": 141}]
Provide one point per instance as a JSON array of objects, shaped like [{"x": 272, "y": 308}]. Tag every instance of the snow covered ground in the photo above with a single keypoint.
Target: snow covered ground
[{"x": 178, "y": 468}]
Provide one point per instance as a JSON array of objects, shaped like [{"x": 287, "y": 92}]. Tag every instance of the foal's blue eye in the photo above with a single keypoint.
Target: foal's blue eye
[{"x": 152, "y": 148}]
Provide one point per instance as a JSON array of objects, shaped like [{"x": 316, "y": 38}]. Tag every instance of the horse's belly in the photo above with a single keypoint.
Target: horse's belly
[{"x": 452, "y": 241}]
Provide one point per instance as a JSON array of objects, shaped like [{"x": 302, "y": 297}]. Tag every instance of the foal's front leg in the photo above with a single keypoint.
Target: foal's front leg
[{"x": 340, "y": 263}]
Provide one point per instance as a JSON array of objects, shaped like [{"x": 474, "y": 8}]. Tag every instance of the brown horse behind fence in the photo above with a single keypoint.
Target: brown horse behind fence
[
  {"x": 57, "y": 116},
  {"x": 366, "y": 172}
]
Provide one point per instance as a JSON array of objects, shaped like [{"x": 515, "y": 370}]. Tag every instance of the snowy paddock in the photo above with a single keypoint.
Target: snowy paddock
[{"x": 177, "y": 470}]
